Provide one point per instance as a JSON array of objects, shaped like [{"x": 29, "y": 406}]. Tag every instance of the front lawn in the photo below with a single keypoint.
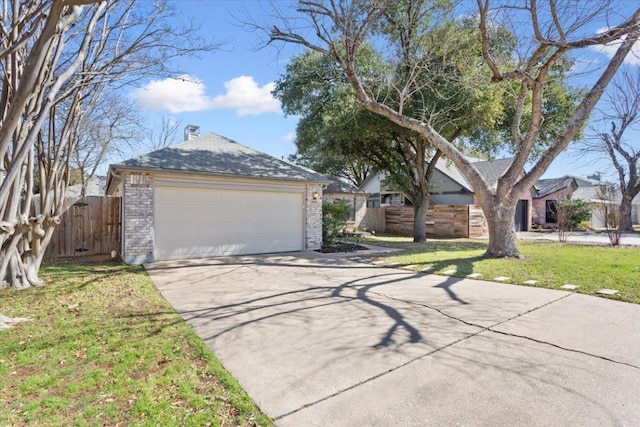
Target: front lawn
[
  {"x": 104, "y": 348},
  {"x": 551, "y": 264}
]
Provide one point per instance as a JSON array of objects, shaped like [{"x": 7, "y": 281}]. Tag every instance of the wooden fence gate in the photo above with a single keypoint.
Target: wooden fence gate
[{"x": 90, "y": 227}]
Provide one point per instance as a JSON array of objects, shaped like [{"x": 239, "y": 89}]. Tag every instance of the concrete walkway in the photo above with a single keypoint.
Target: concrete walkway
[
  {"x": 581, "y": 237},
  {"x": 323, "y": 340}
]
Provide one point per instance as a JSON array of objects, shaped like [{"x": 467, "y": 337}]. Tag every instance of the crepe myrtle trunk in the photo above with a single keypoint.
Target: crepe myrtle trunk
[
  {"x": 626, "y": 223},
  {"x": 500, "y": 218}
]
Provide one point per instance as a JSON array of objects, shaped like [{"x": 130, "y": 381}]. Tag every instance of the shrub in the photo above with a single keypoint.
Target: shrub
[
  {"x": 584, "y": 225},
  {"x": 570, "y": 213},
  {"x": 334, "y": 220}
]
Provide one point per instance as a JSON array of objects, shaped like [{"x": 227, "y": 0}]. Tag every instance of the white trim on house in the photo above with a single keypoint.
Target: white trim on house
[{"x": 228, "y": 182}]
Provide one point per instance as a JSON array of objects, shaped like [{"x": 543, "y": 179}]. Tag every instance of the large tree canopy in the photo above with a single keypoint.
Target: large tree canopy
[
  {"x": 524, "y": 61},
  {"x": 445, "y": 87}
]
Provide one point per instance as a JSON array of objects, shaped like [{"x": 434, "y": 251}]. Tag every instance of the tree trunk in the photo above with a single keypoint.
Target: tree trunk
[
  {"x": 16, "y": 275},
  {"x": 31, "y": 265},
  {"x": 19, "y": 268},
  {"x": 625, "y": 215},
  {"x": 502, "y": 230},
  {"x": 420, "y": 206}
]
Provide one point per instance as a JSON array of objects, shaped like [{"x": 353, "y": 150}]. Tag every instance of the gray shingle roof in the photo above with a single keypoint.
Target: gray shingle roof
[
  {"x": 544, "y": 187},
  {"x": 340, "y": 187},
  {"x": 215, "y": 154},
  {"x": 95, "y": 187},
  {"x": 593, "y": 194},
  {"x": 588, "y": 194},
  {"x": 583, "y": 182},
  {"x": 492, "y": 170}
]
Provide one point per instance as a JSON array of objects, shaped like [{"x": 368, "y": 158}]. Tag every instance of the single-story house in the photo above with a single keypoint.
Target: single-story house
[
  {"x": 339, "y": 190},
  {"x": 95, "y": 187},
  {"x": 548, "y": 192},
  {"x": 211, "y": 196},
  {"x": 600, "y": 207},
  {"x": 449, "y": 187}
]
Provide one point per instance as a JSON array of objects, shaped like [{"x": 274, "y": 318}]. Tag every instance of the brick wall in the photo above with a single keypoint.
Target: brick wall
[
  {"x": 313, "y": 217},
  {"x": 137, "y": 221},
  {"x": 540, "y": 206}
]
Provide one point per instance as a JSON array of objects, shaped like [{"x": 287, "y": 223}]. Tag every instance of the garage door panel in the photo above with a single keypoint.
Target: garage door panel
[
  {"x": 171, "y": 235},
  {"x": 167, "y": 212},
  {"x": 201, "y": 222}
]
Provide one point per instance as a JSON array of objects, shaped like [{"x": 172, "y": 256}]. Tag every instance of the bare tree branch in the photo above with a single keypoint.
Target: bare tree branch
[{"x": 341, "y": 27}]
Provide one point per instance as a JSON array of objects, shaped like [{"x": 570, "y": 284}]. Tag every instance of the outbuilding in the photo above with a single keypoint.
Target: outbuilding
[{"x": 211, "y": 196}]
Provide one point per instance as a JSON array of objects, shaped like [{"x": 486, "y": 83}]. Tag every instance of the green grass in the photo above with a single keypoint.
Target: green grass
[
  {"x": 551, "y": 264},
  {"x": 104, "y": 348}
]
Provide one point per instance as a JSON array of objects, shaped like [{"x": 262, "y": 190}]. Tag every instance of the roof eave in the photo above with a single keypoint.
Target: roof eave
[
  {"x": 357, "y": 193},
  {"x": 113, "y": 181},
  {"x": 120, "y": 168}
]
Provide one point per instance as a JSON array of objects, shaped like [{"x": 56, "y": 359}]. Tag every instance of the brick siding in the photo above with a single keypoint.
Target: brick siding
[
  {"x": 138, "y": 219},
  {"x": 313, "y": 217}
]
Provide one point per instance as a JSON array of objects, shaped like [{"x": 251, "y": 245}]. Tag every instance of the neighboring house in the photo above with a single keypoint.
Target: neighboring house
[
  {"x": 600, "y": 208},
  {"x": 449, "y": 187},
  {"x": 338, "y": 190},
  {"x": 95, "y": 187},
  {"x": 210, "y": 196},
  {"x": 547, "y": 194}
]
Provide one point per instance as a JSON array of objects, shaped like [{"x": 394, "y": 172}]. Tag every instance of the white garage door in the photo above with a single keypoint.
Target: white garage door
[{"x": 201, "y": 222}]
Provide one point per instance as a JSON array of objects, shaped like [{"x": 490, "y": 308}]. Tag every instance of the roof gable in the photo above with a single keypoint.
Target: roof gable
[
  {"x": 447, "y": 168},
  {"x": 544, "y": 187},
  {"x": 491, "y": 170},
  {"x": 215, "y": 154}
]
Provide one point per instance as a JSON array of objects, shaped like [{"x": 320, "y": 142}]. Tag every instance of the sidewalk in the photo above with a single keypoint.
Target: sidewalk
[{"x": 583, "y": 237}]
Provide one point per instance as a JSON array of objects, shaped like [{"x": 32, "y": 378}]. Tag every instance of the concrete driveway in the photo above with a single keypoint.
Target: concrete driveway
[{"x": 328, "y": 341}]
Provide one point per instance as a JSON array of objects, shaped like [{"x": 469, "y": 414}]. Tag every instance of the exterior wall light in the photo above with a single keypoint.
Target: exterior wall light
[{"x": 315, "y": 195}]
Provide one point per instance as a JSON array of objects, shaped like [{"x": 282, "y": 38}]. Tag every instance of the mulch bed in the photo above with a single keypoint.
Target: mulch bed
[{"x": 341, "y": 247}]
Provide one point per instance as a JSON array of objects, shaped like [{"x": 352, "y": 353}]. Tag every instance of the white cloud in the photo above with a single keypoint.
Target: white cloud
[
  {"x": 247, "y": 98},
  {"x": 610, "y": 49},
  {"x": 188, "y": 94},
  {"x": 176, "y": 95}
]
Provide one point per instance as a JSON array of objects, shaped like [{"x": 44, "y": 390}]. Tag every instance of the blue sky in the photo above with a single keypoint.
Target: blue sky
[{"x": 228, "y": 91}]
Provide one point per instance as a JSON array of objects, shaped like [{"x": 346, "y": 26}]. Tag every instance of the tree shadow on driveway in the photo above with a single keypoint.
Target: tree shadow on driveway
[{"x": 271, "y": 300}]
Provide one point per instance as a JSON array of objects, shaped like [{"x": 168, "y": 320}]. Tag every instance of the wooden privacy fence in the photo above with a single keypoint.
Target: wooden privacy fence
[
  {"x": 90, "y": 227},
  {"x": 442, "y": 221},
  {"x": 374, "y": 219}
]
